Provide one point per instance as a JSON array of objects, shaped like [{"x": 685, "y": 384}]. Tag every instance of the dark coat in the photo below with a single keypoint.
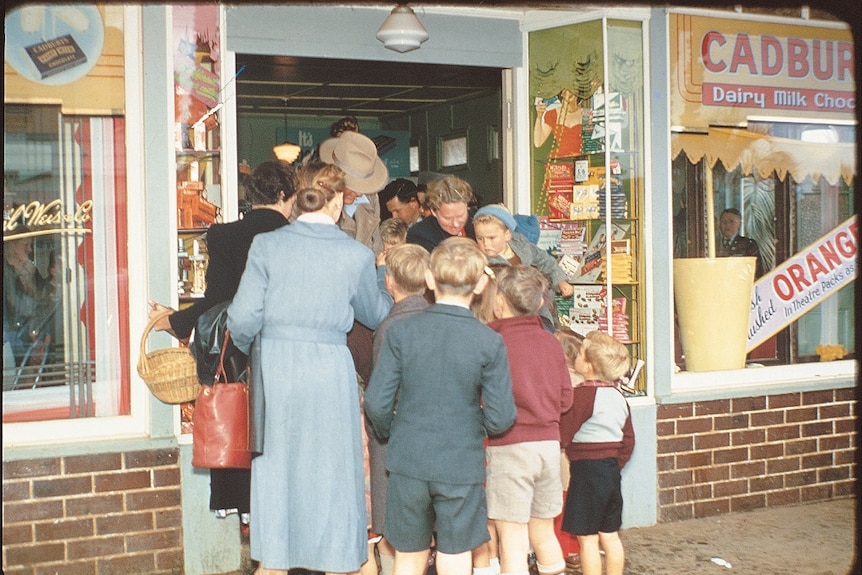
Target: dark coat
[
  {"x": 227, "y": 250},
  {"x": 428, "y": 233},
  {"x": 740, "y": 246}
]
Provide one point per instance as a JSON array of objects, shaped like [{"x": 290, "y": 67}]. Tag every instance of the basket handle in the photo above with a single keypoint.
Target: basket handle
[{"x": 142, "y": 358}]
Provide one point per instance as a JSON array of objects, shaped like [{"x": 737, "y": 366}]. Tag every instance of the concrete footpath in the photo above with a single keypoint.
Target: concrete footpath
[{"x": 809, "y": 539}]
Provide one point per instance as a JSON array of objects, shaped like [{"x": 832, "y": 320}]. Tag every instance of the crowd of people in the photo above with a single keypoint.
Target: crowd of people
[{"x": 426, "y": 340}]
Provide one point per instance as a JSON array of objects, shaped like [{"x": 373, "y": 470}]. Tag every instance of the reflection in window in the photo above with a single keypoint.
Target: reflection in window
[{"x": 64, "y": 266}]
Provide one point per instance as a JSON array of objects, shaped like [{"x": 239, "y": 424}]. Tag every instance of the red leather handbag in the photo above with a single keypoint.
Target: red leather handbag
[{"x": 220, "y": 423}]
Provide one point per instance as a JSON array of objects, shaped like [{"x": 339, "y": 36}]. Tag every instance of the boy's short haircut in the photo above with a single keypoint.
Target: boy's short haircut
[
  {"x": 393, "y": 231},
  {"x": 523, "y": 287},
  {"x": 406, "y": 265},
  {"x": 609, "y": 358},
  {"x": 457, "y": 265},
  {"x": 571, "y": 342}
]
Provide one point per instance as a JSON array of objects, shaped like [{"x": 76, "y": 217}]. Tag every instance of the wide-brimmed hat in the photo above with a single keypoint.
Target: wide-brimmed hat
[{"x": 356, "y": 155}]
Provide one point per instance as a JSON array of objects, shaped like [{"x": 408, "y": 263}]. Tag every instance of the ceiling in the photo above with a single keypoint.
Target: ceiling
[{"x": 275, "y": 85}]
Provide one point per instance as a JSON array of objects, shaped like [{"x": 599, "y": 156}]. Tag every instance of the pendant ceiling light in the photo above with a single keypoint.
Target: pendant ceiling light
[
  {"x": 402, "y": 31},
  {"x": 286, "y": 151}
]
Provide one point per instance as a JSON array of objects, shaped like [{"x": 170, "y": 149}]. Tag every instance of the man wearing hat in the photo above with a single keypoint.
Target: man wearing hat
[{"x": 365, "y": 175}]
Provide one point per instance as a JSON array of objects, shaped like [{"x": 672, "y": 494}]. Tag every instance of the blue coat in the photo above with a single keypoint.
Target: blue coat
[
  {"x": 302, "y": 287},
  {"x": 451, "y": 377}
]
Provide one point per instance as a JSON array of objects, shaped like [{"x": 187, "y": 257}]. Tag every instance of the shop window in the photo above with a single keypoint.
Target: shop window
[
  {"x": 65, "y": 300},
  {"x": 453, "y": 150},
  {"x": 785, "y": 211},
  {"x": 415, "y": 166}
]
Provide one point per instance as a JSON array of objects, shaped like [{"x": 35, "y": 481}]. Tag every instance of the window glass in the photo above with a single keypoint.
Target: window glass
[{"x": 65, "y": 298}]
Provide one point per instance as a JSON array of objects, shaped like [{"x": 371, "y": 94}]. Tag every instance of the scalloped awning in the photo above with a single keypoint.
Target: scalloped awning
[{"x": 749, "y": 150}]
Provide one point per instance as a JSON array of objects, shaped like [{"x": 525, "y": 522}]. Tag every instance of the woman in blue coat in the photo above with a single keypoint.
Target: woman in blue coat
[{"x": 302, "y": 288}]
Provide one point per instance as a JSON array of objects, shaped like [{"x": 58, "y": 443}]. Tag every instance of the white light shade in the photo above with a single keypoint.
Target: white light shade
[
  {"x": 287, "y": 152},
  {"x": 402, "y": 31}
]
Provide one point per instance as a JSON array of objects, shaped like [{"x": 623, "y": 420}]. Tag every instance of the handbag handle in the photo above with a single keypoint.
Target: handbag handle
[{"x": 221, "y": 374}]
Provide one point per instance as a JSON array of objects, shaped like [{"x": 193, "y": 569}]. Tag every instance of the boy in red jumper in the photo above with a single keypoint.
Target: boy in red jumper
[
  {"x": 523, "y": 483},
  {"x": 598, "y": 437}
]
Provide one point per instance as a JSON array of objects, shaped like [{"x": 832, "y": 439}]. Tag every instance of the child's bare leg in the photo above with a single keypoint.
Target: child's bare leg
[
  {"x": 412, "y": 563},
  {"x": 370, "y": 566},
  {"x": 615, "y": 557},
  {"x": 514, "y": 546},
  {"x": 449, "y": 564},
  {"x": 591, "y": 559},
  {"x": 546, "y": 546},
  {"x": 387, "y": 556},
  {"x": 486, "y": 556}
]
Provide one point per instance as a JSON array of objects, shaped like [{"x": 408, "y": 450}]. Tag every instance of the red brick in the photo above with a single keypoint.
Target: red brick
[
  {"x": 763, "y": 418},
  {"x": 820, "y": 396},
  {"x": 154, "y": 540},
  {"x": 747, "y": 469},
  {"x": 17, "y": 534},
  {"x": 845, "y": 488},
  {"x": 834, "y": 411},
  {"x": 783, "y": 497},
  {"x": 783, "y": 465},
  {"x": 730, "y": 488},
  {"x": 710, "y": 508},
  {"x": 711, "y": 407},
  {"x": 815, "y": 493},
  {"x": 95, "y": 547},
  {"x": 819, "y": 428},
  {"x": 846, "y": 394},
  {"x": 92, "y": 463},
  {"x": 32, "y": 511},
  {"x": 833, "y": 443},
  {"x": 26, "y": 468},
  {"x": 784, "y": 400},
  {"x": 674, "y": 479},
  {"x": 673, "y": 513},
  {"x": 665, "y": 496},
  {"x": 845, "y": 457},
  {"x": 801, "y": 414},
  {"x": 124, "y": 481},
  {"x": 692, "y": 493},
  {"x": 171, "y": 561},
  {"x": 845, "y": 426},
  {"x": 770, "y": 483},
  {"x": 730, "y": 455},
  {"x": 694, "y": 459},
  {"x": 665, "y": 463},
  {"x": 125, "y": 523},
  {"x": 62, "y": 486},
  {"x": 832, "y": 474},
  {"x": 674, "y": 445},
  {"x": 747, "y": 437},
  {"x": 166, "y": 476},
  {"x": 748, "y": 404},
  {"x": 712, "y": 440},
  {"x": 94, "y": 505},
  {"x": 18, "y": 570},
  {"x": 782, "y": 432},
  {"x": 711, "y": 474},
  {"x": 153, "y": 499},
  {"x": 32, "y": 554},
  {"x": 800, "y": 478},
  {"x": 747, "y": 503},
  {"x": 816, "y": 460},
  {"x": 800, "y": 447},
  {"x": 16, "y": 490},
  {"x": 766, "y": 451},
  {"x": 698, "y": 425},
  {"x": 168, "y": 518},
  {"x": 674, "y": 411},
  {"x": 62, "y": 530},
  {"x": 733, "y": 421},
  {"x": 663, "y": 428},
  {"x": 141, "y": 563},
  {"x": 152, "y": 458},
  {"x": 86, "y": 567}
]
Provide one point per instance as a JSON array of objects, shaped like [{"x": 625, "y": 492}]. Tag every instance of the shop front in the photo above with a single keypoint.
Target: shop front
[{"x": 120, "y": 122}]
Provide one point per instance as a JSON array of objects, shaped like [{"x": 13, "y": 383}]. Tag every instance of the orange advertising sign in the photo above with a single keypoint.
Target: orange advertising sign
[{"x": 725, "y": 70}]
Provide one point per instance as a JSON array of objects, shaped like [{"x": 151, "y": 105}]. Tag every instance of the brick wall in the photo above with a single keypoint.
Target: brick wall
[
  {"x": 101, "y": 514},
  {"x": 724, "y": 456}
]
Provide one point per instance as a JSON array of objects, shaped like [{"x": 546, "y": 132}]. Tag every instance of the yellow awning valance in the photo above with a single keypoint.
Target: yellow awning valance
[{"x": 750, "y": 150}]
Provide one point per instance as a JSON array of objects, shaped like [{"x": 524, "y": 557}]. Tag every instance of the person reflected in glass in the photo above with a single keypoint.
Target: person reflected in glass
[{"x": 732, "y": 244}]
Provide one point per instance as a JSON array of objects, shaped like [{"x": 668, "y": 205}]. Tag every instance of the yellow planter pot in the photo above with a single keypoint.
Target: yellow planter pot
[{"x": 712, "y": 297}]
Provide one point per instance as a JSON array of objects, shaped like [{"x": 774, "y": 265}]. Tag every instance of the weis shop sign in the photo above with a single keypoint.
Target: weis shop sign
[{"x": 803, "y": 282}]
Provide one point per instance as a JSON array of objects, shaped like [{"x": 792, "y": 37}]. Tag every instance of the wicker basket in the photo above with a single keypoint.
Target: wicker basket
[{"x": 171, "y": 374}]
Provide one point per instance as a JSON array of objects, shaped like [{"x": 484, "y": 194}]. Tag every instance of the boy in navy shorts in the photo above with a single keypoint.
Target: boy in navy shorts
[
  {"x": 598, "y": 437},
  {"x": 440, "y": 384}
]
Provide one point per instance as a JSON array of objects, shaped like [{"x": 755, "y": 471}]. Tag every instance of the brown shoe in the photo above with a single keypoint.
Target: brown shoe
[{"x": 573, "y": 561}]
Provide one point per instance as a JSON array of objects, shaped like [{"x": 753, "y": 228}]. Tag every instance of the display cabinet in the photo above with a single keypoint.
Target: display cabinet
[{"x": 589, "y": 177}]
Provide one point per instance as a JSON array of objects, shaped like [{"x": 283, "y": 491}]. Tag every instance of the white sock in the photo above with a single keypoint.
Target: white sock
[
  {"x": 558, "y": 567},
  {"x": 483, "y": 571},
  {"x": 495, "y": 565}
]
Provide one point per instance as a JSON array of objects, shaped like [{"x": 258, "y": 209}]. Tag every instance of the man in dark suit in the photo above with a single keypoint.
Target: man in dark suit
[{"x": 734, "y": 245}]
